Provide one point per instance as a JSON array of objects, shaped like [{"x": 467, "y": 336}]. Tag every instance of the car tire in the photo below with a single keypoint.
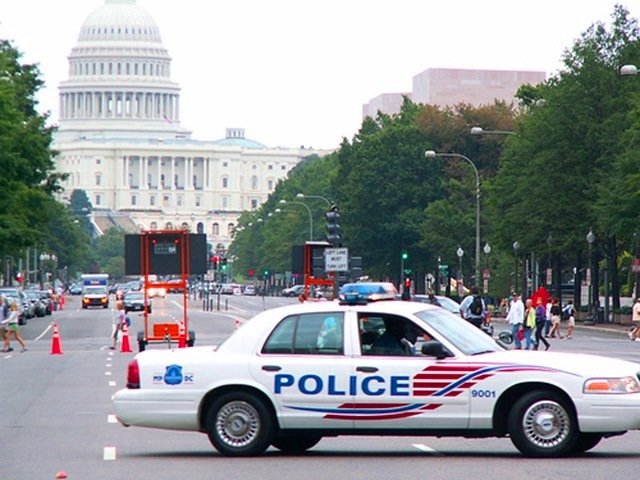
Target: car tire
[
  {"x": 239, "y": 425},
  {"x": 543, "y": 424},
  {"x": 586, "y": 441},
  {"x": 295, "y": 444}
]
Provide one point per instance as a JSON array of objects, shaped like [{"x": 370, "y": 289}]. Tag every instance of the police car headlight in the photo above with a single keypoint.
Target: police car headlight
[{"x": 612, "y": 385}]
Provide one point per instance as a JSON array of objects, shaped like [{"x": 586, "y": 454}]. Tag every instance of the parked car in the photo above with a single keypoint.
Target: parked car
[
  {"x": 293, "y": 291},
  {"x": 35, "y": 298},
  {"x": 75, "y": 289},
  {"x": 45, "y": 297}
]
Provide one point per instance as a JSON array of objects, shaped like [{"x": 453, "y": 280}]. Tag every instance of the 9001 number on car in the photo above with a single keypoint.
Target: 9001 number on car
[{"x": 483, "y": 394}]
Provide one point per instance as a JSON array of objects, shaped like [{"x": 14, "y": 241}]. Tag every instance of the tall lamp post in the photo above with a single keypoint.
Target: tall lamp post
[
  {"x": 486, "y": 275},
  {"x": 284, "y": 202},
  {"x": 590, "y": 239},
  {"x": 516, "y": 247},
  {"x": 460, "y": 254},
  {"x": 431, "y": 154},
  {"x": 482, "y": 131}
]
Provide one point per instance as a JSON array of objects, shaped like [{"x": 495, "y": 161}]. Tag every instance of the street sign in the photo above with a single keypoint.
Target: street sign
[
  {"x": 635, "y": 266},
  {"x": 336, "y": 259}
]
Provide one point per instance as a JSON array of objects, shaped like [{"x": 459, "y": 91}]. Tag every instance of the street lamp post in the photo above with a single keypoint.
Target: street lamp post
[
  {"x": 590, "y": 239},
  {"x": 460, "y": 254},
  {"x": 431, "y": 154},
  {"x": 485, "y": 275},
  {"x": 283, "y": 202},
  {"x": 516, "y": 247}
]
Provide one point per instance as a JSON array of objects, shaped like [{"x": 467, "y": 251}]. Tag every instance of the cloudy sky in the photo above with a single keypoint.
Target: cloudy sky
[{"x": 297, "y": 72}]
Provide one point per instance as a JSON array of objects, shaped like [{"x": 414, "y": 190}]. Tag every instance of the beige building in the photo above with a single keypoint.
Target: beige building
[
  {"x": 121, "y": 141},
  {"x": 451, "y": 86}
]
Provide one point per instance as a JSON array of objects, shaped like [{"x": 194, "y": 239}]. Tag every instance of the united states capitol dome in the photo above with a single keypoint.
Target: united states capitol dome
[{"x": 120, "y": 20}]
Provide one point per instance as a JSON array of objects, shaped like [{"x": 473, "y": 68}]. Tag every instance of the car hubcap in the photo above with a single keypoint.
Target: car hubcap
[
  {"x": 546, "y": 424},
  {"x": 237, "y": 424}
]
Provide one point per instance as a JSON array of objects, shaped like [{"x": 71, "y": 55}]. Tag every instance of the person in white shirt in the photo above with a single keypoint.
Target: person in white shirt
[
  {"x": 635, "y": 318},
  {"x": 515, "y": 317}
]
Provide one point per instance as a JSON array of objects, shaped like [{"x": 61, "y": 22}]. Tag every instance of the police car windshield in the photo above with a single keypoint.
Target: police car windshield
[{"x": 467, "y": 338}]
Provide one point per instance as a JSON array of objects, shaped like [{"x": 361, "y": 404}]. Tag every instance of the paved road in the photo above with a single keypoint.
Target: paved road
[{"x": 57, "y": 416}]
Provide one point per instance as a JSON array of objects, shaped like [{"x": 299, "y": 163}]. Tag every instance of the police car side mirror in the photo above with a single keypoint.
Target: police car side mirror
[{"x": 433, "y": 348}]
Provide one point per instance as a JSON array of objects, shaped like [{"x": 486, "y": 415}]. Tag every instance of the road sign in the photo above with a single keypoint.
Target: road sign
[
  {"x": 336, "y": 259},
  {"x": 635, "y": 266}
]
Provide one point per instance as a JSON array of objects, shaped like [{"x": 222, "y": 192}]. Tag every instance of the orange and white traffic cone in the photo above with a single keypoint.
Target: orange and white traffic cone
[
  {"x": 56, "y": 347},
  {"x": 125, "y": 346},
  {"x": 182, "y": 337}
]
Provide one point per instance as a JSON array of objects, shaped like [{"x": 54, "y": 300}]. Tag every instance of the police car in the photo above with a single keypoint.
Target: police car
[{"x": 295, "y": 374}]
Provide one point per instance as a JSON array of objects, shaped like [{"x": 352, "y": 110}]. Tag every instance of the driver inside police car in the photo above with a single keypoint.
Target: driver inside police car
[{"x": 393, "y": 340}]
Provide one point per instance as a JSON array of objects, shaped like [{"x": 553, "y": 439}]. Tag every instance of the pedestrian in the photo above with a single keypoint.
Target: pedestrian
[
  {"x": 473, "y": 309},
  {"x": 541, "y": 321},
  {"x": 118, "y": 321},
  {"x": 515, "y": 317},
  {"x": 529, "y": 324},
  {"x": 14, "y": 327},
  {"x": 555, "y": 319},
  {"x": 4, "y": 327},
  {"x": 569, "y": 313},
  {"x": 634, "y": 334},
  {"x": 548, "y": 322}
]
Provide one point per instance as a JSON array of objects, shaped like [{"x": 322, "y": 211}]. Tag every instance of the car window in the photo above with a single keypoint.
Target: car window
[
  {"x": 463, "y": 335},
  {"x": 313, "y": 333},
  {"x": 385, "y": 334}
]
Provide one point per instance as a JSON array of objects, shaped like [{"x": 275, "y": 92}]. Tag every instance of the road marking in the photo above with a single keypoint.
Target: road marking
[
  {"x": 109, "y": 453},
  {"x": 423, "y": 448},
  {"x": 43, "y": 333},
  {"x": 112, "y": 419},
  {"x": 107, "y": 373},
  {"x": 112, "y": 383},
  {"x": 108, "y": 365}
]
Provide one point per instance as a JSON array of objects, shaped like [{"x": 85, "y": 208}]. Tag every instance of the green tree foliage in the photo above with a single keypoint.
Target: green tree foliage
[
  {"x": 29, "y": 216},
  {"x": 557, "y": 171},
  {"x": 109, "y": 249}
]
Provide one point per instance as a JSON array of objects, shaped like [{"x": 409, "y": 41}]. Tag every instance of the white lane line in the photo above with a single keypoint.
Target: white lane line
[
  {"x": 108, "y": 365},
  {"x": 112, "y": 383},
  {"x": 43, "y": 333},
  {"x": 423, "y": 448},
  {"x": 109, "y": 453},
  {"x": 107, "y": 374},
  {"x": 112, "y": 419}
]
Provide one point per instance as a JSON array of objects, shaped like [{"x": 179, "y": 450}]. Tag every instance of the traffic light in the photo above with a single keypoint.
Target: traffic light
[
  {"x": 405, "y": 255},
  {"x": 223, "y": 264},
  {"x": 334, "y": 233},
  {"x": 214, "y": 261}
]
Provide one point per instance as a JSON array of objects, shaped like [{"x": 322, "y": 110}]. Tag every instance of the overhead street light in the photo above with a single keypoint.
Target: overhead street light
[
  {"x": 628, "y": 71},
  {"x": 482, "y": 131},
  {"x": 302, "y": 195},
  {"x": 284, "y": 202},
  {"x": 432, "y": 154}
]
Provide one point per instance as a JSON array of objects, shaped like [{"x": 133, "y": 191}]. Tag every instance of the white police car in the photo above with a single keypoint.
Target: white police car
[{"x": 295, "y": 374}]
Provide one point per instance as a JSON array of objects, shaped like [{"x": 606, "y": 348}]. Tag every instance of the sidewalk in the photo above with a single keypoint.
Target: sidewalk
[{"x": 603, "y": 327}]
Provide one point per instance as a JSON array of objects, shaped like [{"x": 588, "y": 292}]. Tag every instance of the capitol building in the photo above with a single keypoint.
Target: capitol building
[{"x": 120, "y": 138}]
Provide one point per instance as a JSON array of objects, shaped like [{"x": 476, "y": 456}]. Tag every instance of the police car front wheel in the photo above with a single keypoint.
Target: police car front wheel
[
  {"x": 542, "y": 424},
  {"x": 238, "y": 424}
]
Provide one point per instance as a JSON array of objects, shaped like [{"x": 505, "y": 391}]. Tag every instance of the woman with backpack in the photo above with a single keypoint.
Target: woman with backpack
[{"x": 569, "y": 314}]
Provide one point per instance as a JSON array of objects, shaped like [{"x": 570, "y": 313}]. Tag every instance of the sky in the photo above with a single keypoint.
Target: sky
[{"x": 297, "y": 72}]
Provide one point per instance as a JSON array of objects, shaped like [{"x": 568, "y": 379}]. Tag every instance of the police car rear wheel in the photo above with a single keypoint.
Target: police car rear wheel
[
  {"x": 542, "y": 425},
  {"x": 294, "y": 445},
  {"x": 239, "y": 424}
]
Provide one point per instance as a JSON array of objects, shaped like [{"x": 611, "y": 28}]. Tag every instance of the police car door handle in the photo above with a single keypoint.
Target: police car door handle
[
  {"x": 271, "y": 368},
  {"x": 366, "y": 369}
]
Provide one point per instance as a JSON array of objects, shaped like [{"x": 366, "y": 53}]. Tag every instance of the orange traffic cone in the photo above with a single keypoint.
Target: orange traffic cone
[
  {"x": 61, "y": 475},
  {"x": 56, "y": 347},
  {"x": 125, "y": 346},
  {"x": 182, "y": 338}
]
